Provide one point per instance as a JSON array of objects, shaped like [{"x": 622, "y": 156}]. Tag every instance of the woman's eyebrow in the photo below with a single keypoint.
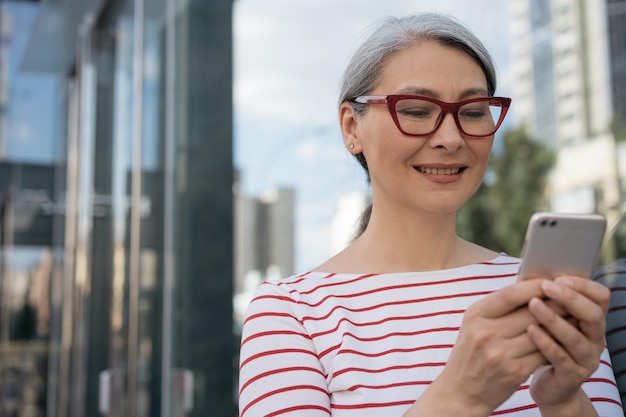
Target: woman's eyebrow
[
  {"x": 478, "y": 91},
  {"x": 422, "y": 91},
  {"x": 419, "y": 91}
]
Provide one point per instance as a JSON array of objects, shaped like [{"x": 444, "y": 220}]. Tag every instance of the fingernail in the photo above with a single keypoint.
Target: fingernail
[
  {"x": 537, "y": 305},
  {"x": 551, "y": 288},
  {"x": 565, "y": 281}
]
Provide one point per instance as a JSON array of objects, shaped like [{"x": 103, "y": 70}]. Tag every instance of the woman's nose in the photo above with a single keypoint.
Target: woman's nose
[{"x": 447, "y": 135}]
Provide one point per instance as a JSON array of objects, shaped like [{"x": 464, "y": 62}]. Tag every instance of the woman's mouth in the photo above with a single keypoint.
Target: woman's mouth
[{"x": 440, "y": 171}]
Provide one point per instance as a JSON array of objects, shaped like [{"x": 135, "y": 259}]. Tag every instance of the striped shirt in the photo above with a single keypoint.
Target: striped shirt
[
  {"x": 614, "y": 277},
  {"x": 346, "y": 345}
]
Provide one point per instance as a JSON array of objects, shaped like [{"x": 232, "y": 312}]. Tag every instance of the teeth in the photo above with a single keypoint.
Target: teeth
[{"x": 439, "y": 171}]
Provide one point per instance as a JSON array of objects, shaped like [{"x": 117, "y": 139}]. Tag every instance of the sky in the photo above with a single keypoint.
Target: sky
[{"x": 288, "y": 60}]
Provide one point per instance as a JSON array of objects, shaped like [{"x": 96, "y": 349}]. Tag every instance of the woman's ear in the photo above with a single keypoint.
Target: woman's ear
[{"x": 349, "y": 123}]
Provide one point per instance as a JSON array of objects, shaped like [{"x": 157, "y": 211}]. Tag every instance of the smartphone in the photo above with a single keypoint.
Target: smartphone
[{"x": 561, "y": 244}]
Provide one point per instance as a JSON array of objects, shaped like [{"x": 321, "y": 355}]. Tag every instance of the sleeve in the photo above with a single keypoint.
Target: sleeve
[
  {"x": 616, "y": 332},
  {"x": 613, "y": 276},
  {"x": 279, "y": 371},
  {"x": 602, "y": 389}
]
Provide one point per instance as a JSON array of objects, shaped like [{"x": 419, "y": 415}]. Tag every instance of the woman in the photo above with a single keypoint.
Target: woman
[{"x": 410, "y": 319}]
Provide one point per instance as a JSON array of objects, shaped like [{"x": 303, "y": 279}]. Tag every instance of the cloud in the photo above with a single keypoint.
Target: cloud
[
  {"x": 316, "y": 149},
  {"x": 289, "y": 56},
  {"x": 308, "y": 150}
]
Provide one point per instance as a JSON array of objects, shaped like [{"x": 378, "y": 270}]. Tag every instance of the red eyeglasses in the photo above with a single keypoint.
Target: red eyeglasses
[{"x": 422, "y": 116}]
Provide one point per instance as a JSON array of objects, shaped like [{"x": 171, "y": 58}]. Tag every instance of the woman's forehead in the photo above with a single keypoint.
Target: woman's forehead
[{"x": 429, "y": 66}]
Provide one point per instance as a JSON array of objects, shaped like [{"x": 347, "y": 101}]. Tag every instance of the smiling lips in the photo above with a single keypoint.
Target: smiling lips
[{"x": 439, "y": 171}]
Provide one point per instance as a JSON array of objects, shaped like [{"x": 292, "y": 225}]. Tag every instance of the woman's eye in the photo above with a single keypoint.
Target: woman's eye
[
  {"x": 414, "y": 112},
  {"x": 472, "y": 113}
]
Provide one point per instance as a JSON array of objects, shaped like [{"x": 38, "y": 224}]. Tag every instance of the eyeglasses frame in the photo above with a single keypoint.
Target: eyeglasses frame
[{"x": 452, "y": 108}]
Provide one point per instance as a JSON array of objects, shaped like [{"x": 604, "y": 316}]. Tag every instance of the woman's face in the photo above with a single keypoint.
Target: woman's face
[{"x": 437, "y": 173}]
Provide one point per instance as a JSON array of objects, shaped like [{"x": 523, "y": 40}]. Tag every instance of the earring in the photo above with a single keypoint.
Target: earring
[{"x": 352, "y": 146}]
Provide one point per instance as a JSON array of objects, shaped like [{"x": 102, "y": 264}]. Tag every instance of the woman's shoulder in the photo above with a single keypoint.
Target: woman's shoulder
[
  {"x": 324, "y": 275},
  {"x": 329, "y": 268},
  {"x": 612, "y": 273}
]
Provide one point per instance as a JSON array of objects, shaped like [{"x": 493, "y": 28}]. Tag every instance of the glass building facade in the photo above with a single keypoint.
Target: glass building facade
[{"x": 116, "y": 250}]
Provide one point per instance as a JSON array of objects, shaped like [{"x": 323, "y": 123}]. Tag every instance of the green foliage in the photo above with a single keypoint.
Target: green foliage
[
  {"x": 618, "y": 128},
  {"x": 619, "y": 239},
  {"x": 497, "y": 215}
]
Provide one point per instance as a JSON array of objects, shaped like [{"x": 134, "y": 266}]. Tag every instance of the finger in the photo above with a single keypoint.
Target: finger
[
  {"x": 590, "y": 314},
  {"x": 554, "y": 353},
  {"x": 557, "y": 308},
  {"x": 566, "y": 340},
  {"x": 595, "y": 291},
  {"x": 509, "y": 299},
  {"x": 516, "y": 323},
  {"x": 522, "y": 346}
]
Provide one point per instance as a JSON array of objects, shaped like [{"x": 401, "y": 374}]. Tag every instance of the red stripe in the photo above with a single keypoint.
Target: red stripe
[
  {"x": 274, "y": 352},
  {"x": 397, "y": 384},
  {"x": 274, "y": 297},
  {"x": 280, "y": 391},
  {"x": 270, "y": 314},
  {"x": 390, "y": 351},
  {"x": 415, "y": 333},
  {"x": 394, "y": 287},
  {"x": 514, "y": 410},
  {"x": 274, "y": 333},
  {"x": 279, "y": 371},
  {"x": 443, "y": 329},
  {"x": 302, "y": 278},
  {"x": 415, "y": 349},
  {"x": 403, "y": 302},
  {"x": 604, "y": 400},
  {"x": 385, "y": 320},
  {"x": 604, "y": 380},
  {"x": 371, "y": 405},
  {"x": 330, "y": 284},
  {"x": 389, "y": 368},
  {"x": 298, "y": 408}
]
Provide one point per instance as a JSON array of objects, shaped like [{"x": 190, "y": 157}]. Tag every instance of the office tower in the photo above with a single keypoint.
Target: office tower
[
  {"x": 264, "y": 241},
  {"x": 129, "y": 194},
  {"x": 566, "y": 58},
  {"x": 265, "y": 234}
]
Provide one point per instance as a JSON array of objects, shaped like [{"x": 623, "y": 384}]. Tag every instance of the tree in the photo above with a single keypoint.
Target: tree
[{"x": 497, "y": 215}]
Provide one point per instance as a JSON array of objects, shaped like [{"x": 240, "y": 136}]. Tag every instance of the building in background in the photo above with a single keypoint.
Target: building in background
[
  {"x": 568, "y": 68},
  {"x": 616, "y": 27},
  {"x": 346, "y": 219},
  {"x": 6, "y": 34},
  {"x": 116, "y": 250},
  {"x": 265, "y": 242}
]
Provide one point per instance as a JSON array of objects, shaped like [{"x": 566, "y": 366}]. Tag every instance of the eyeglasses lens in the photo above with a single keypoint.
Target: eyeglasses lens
[{"x": 420, "y": 117}]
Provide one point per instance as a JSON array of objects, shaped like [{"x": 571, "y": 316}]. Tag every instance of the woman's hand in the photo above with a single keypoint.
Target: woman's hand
[
  {"x": 494, "y": 353},
  {"x": 572, "y": 351}
]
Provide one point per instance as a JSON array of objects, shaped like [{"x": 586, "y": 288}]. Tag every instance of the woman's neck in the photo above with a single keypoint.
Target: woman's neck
[
  {"x": 407, "y": 243},
  {"x": 416, "y": 243}
]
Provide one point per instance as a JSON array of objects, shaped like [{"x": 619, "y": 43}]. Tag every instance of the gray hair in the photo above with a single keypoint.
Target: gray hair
[{"x": 394, "y": 35}]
